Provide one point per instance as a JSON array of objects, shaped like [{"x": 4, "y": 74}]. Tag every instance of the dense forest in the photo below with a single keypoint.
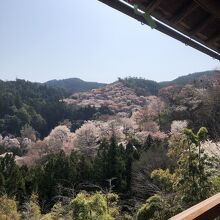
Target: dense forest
[
  {"x": 142, "y": 87},
  {"x": 23, "y": 102},
  {"x": 69, "y": 161}
]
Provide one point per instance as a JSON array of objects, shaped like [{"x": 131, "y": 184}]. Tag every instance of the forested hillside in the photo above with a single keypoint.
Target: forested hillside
[
  {"x": 73, "y": 85},
  {"x": 198, "y": 79},
  {"x": 142, "y": 87},
  {"x": 23, "y": 102},
  {"x": 133, "y": 149}
]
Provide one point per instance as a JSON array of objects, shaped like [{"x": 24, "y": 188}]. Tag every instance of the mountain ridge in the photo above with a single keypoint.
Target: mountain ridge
[
  {"x": 71, "y": 85},
  {"x": 190, "y": 78},
  {"x": 142, "y": 86}
]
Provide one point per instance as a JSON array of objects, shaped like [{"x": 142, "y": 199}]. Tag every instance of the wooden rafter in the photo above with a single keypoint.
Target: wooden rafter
[
  {"x": 203, "y": 24},
  {"x": 211, "y": 6},
  {"x": 214, "y": 38},
  {"x": 153, "y": 5},
  {"x": 183, "y": 12}
]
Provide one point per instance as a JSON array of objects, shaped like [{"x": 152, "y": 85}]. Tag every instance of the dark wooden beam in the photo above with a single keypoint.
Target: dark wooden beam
[
  {"x": 203, "y": 24},
  {"x": 214, "y": 38},
  {"x": 128, "y": 10},
  {"x": 183, "y": 12},
  {"x": 211, "y": 6},
  {"x": 152, "y": 6}
]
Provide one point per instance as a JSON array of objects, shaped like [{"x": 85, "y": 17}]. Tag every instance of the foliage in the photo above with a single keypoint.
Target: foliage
[
  {"x": 178, "y": 126},
  {"x": 11, "y": 178},
  {"x": 58, "y": 212},
  {"x": 86, "y": 137},
  {"x": 163, "y": 179},
  {"x": 208, "y": 112},
  {"x": 153, "y": 205},
  {"x": 23, "y": 103},
  {"x": 153, "y": 155},
  {"x": 114, "y": 161},
  {"x": 8, "y": 208},
  {"x": 141, "y": 86},
  {"x": 28, "y": 132},
  {"x": 190, "y": 176},
  {"x": 115, "y": 154},
  {"x": 32, "y": 209},
  {"x": 215, "y": 180},
  {"x": 92, "y": 207}
]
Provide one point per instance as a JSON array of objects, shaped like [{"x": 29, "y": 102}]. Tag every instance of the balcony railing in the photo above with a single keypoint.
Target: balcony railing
[{"x": 206, "y": 210}]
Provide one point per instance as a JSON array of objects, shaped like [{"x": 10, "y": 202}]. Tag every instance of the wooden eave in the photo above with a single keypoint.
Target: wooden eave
[{"x": 194, "y": 22}]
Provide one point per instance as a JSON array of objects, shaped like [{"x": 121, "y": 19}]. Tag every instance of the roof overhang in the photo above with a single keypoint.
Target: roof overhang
[{"x": 194, "y": 22}]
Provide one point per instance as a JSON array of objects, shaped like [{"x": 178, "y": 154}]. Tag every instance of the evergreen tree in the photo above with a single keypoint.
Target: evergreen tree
[{"x": 12, "y": 177}]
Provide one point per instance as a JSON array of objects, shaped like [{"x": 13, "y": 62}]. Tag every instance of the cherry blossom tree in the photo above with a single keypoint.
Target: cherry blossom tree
[
  {"x": 8, "y": 142},
  {"x": 151, "y": 112},
  {"x": 211, "y": 148},
  {"x": 87, "y": 137},
  {"x": 60, "y": 138},
  {"x": 156, "y": 107},
  {"x": 129, "y": 125},
  {"x": 178, "y": 126},
  {"x": 143, "y": 135}
]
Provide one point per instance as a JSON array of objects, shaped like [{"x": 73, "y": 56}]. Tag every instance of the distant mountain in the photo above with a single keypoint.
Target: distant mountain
[
  {"x": 142, "y": 87},
  {"x": 198, "y": 79},
  {"x": 73, "y": 85}
]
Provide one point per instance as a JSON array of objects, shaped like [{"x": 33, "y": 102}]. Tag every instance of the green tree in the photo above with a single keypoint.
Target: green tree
[
  {"x": 110, "y": 162},
  {"x": 32, "y": 211},
  {"x": 8, "y": 209},
  {"x": 192, "y": 170},
  {"x": 2, "y": 184},
  {"x": 12, "y": 177},
  {"x": 58, "y": 212},
  {"x": 189, "y": 181},
  {"x": 91, "y": 207}
]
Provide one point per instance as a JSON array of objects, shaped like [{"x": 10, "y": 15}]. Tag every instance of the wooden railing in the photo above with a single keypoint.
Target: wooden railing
[{"x": 207, "y": 210}]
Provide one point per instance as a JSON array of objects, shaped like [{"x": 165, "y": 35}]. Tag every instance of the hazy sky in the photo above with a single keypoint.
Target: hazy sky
[{"x": 46, "y": 39}]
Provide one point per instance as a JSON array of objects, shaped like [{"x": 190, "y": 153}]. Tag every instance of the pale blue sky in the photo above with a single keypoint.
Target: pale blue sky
[{"x": 47, "y": 39}]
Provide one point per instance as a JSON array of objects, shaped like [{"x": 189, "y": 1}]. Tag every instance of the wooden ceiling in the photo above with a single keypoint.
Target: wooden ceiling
[{"x": 193, "y": 22}]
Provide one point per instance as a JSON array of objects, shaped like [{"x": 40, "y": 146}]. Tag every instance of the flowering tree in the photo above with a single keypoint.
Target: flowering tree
[
  {"x": 8, "y": 142},
  {"x": 87, "y": 137},
  {"x": 60, "y": 138},
  {"x": 178, "y": 126},
  {"x": 129, "y": 125},
  {"x": 111, "y": 128},
  {"x": 151, "y": 112},
  {"x": 156, "y": 107},
  {"x": 211, "y": 148}
]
